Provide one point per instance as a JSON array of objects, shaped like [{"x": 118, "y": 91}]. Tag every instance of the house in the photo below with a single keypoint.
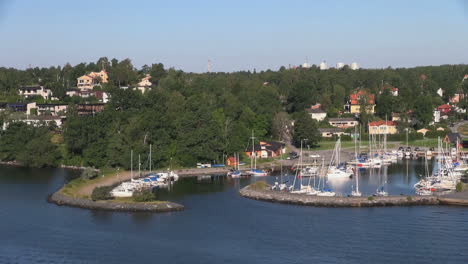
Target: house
[
  {"x": 35, "y": 90},
  {"x": 17, "y": 107},
  {"x": 231, "y": 161},
  {"x": 444, "y": 109},
  {"x": 355, "y": 99},
  {"x": 456, "y": 98},
  {"x": 144, "y": 84},
  {"x": 343, "y": 122},
  {"x": 89, "y": 109},
  {"x": 267, "y": 149},
  {"x": 393, "y": 90},
  {"x": 382, "y": 127},
  {"x": 38, "y": 121},
  {"x": 88, "y": 81},
  {"x": 317, "y": 114},
  {"x": 47, "y": 109},
  {"x": 72, "y": 92},
  {"x": 436, "y": 116},
  {"x": 402, "y": 117},
  {"x": 332, "y": 131},
  {"x": 453, "y": 138},
  {"x": 316, "y": 106},
  {"x": 423, "y": 131},
  {"x": 440, "y": 92}
]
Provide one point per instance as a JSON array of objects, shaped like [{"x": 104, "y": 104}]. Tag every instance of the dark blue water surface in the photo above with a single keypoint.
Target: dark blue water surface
[{"x": 219, "y": 226}]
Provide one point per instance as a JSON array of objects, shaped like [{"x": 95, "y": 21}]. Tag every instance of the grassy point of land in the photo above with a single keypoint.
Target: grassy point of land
[{"x": 74, "y": 187}]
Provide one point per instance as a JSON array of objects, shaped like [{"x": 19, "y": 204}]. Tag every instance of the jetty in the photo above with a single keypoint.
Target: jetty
[{"x": 268, "y": 195}]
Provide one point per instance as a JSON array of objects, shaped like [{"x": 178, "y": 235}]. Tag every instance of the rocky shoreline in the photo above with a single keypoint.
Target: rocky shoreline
[
  {"x": 163, "y": 206},
  {"x": 302, "y": 199}
]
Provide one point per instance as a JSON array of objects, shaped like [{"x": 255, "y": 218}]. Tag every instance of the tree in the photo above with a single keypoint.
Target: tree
[
  {"x": 280, "y": 125},
  {"x": 305, "y": 128},
  {"x": 423, "y": 111}
]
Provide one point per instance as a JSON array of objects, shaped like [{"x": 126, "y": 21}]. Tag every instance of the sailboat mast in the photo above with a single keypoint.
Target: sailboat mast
[
  {"x": 131, "y": 164},
  {"x": 139, "y": 166},
  {"x": 150, "y": 159}
]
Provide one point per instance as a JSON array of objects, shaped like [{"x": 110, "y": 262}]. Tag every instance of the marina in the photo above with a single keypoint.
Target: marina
[{"x": 198, "y": 232}]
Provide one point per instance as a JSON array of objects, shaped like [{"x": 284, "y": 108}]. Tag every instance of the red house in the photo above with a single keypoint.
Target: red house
[
  {"x": 231, "y": 161},
  {"x": 444, "y": 109}
]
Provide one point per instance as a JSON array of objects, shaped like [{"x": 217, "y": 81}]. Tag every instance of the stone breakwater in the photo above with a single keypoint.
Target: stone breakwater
[
  {"x": 302, "y": 199},
  {"x": 163, "y": 206}
]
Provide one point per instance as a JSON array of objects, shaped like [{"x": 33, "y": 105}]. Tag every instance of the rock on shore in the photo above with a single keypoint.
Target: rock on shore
[
  {"x": 302, "y": 199},
  {"x": 164, "y": 206}
]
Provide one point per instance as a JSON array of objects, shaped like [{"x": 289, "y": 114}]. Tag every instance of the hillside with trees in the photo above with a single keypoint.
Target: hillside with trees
[{"x": 192, "y": 117}]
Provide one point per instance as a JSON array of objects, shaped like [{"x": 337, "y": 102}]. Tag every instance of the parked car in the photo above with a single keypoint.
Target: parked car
[{"x": 292, "y": 155}]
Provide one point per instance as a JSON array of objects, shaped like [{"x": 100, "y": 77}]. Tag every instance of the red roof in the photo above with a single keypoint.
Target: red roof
[
  {"x": 382, "y": 122},
  {"x": 444, "y": 106},
  {"x": 356, "y": 96}
]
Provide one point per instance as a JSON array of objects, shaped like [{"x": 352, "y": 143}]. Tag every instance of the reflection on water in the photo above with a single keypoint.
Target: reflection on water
[
  {"x": 398, "y": 179},
  {"x": 220, "y": 226}
]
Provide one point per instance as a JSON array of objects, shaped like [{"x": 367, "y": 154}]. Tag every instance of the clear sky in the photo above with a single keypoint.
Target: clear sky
[{"x": 235, "y": 35}]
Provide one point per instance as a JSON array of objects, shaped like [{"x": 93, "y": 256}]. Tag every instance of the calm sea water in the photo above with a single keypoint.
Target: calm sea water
[{"x": 219, "y": 226}]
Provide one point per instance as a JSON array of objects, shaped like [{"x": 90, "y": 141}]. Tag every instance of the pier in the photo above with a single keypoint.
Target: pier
[{"x": 265, "y": 194}]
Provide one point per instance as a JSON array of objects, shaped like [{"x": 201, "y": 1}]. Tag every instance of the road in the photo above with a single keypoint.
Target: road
[{"x": 457, "y": 125}]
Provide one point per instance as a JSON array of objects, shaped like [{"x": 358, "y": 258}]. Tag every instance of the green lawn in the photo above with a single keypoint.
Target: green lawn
[
  {"x": 427, "y": 143},
  {"x": 463, "y": 130}
]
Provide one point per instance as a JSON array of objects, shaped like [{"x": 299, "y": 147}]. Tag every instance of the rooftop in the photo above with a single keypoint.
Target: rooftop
[{"x": 382, "y": 122}]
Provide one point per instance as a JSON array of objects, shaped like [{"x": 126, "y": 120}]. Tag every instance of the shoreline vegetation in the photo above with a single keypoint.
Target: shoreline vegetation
[
  {"x": 78, "y": 193},
  {"x": 262, "y": 191}
]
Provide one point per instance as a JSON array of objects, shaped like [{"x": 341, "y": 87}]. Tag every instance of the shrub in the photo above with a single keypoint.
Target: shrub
[
  {"x": 409, "y": 198},
  {"x": 89, "y": 173},
  {"x": 370, "y": 198},
  {"x": 144, "y": 195},
  {"x": 102, "y": 193},
  {"x": 260, "y": 185},
  {"x": 460, "y": 187}
]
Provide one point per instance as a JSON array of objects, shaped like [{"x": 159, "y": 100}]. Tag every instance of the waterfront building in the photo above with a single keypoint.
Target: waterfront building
[
  {"x": 267, "y": 149},
  {"x": 393, "y": 90},
  {"x": 382, "y": 127},
  {"x": 343, "y": 122},
  {"x": 144, "y": 85}
]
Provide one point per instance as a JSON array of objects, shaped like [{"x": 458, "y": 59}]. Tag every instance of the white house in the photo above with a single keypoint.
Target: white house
[
  {"x": 144, "y": 84},
  {"x": 332, "y": 131},
  {"x": 35, "y": 90},
  {"x": 343, "y": 122},
  {"x": 37, "y": 121},
  {"x": 440, "y": 92},
  {"x": 317, "y": 114}
]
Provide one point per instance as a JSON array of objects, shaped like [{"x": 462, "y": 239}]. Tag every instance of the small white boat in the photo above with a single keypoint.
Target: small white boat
[{"x": 326, "y": 193}]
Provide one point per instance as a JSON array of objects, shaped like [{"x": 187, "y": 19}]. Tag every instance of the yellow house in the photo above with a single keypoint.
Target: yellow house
[
  {"x": 354, "y": 106},
  {"x": 88, "y": 81},
  {"x": 382, "y": 127}
]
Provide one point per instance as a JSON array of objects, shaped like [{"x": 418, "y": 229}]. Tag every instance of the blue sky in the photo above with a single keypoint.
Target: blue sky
[{"x": 235, "y": 35}]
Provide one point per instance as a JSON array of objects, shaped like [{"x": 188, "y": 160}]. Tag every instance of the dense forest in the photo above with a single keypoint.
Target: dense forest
[{"x": 192, "y": 117}]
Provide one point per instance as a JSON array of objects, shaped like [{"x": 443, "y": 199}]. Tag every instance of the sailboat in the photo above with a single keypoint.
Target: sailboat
[
  {"x": 253, "y": 162},
  {"x": 302, "y": 187},
  {"x": 126, "y": 189},
  {"x": 356, "y": 193},
  {"x": 335, "y": 169},
  {"x": 382, "y": 182},
  {"x": 236, "y": 173}
]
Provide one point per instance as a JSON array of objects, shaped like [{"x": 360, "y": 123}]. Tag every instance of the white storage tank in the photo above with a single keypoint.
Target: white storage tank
[
  {"x": 306, "y": 65},
  {"x": 323, "y": 65},
  {"x": 340, "y": 65},
  {"x": 354, "y": 66}
]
